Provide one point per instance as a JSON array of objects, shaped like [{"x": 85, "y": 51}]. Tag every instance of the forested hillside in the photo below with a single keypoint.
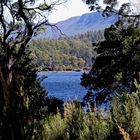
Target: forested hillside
[
  {"x": 66, "y": 53},
  {"x": 93, "y": 36},
  {"x": 62, "y": 54}
]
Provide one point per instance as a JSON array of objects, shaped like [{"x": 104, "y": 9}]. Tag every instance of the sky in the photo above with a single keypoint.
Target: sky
[
  {"x": 75, "y": 8},
  {"x": 67, "y": 10}
]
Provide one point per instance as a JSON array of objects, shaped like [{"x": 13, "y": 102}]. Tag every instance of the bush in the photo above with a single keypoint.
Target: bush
[
  {"x": 55, "y": 128},
  {"x": 126, "y": 113},
  {"x": 121, "y": 122},
  {"x": 76, "y": 124}
]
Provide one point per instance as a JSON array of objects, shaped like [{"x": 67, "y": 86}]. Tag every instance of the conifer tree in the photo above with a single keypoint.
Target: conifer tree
[
  {"x": 118, "y": 57},
  {"x": 117, "y": 64}
]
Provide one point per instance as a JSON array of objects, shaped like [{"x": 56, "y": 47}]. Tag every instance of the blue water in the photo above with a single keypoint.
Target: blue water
[{"x": 63, "y": 85}]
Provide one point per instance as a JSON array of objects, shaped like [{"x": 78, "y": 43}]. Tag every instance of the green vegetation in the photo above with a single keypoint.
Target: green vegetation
[
  {"x": 62, "y": 54},
  {"x": 23, "y": 103},
  {"x": 28, "y": 108},
  {"x": 26, "y": 113},
  {"x": 92, "y": 36},
  {"x": 122, "y": 122},
  {"x": 117, "y": 64},
  {"x": 73, "y": 53}
]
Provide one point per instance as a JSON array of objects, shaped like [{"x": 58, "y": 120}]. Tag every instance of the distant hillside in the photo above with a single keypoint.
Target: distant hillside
[
  {"x": 80, "y": 24},
  {"x": 91, "y": 36},
  {"x": 62, "y": 54}
]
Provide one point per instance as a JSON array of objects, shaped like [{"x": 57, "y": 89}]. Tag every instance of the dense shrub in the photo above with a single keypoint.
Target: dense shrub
[
  {"x": 126, "y": 112},
  {"x": 122, "y": 121},
  {"x": 76, "y": 124}
]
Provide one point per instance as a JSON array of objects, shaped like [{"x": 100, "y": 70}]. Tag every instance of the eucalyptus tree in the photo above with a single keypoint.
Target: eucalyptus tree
[
  {"x": 117, "y": 63},
  {"x": 20, "y": 20}
]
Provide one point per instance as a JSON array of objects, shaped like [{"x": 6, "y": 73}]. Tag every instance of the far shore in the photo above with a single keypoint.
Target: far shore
[{"x": 65, "y": 71}]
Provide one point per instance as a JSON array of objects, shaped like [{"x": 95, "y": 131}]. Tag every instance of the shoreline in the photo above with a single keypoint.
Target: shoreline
[{"x": 63, "y": 71}]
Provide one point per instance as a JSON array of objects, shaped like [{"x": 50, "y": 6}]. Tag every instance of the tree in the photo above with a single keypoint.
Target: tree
[
  {"x": 116, "y": 66},
  {"x": 110, "y": 6},
  {"x": 25, "y": 18},
  {"x": 128, "y": 9},
  {"x": 20, "y": 20},
  {"x": 117, "y": 63}
]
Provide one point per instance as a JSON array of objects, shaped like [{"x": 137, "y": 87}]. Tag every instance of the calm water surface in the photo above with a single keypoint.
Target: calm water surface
[{"x": 63, "y": 85}]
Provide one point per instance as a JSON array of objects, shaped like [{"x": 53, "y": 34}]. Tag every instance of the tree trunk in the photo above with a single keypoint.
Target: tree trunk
[{"x": 12, "y": 128}]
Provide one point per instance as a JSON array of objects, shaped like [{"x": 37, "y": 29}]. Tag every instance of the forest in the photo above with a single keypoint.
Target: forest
[
  {"x": 62, "y": 54},
  {"x": 111, "y": 108}
]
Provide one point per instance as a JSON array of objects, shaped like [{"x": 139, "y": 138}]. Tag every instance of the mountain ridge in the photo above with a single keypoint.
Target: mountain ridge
[{"x": 80, "y": 24}]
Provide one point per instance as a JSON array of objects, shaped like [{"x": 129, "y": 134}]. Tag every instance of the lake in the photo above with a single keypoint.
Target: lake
[{"x": 63, "y": 85}]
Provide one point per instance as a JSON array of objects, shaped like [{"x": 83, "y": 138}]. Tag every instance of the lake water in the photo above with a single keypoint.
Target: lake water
[{"x": 63, "y": 85}]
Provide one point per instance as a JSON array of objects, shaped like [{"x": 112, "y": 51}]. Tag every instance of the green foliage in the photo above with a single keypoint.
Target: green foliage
[
  {"x": 126, "y": 112},
  {"x": 62, "y": 54},
  {"x": 118, "y": 76},
  {"x": 77, "y": 128},
  {"x": 117, "y": 64},
  {"x": 66, "y": 53},
  {"x": 29, "y": 106},
  {"x": 22, "y": 100},
  {"x": 93, "y": 36},
  {"x": 110, "y": 6},
  {"x": 76, "y": 125},
  {"x": 44, "y": 6},
  {"x": 55, "y": 128},
  {"x": 122, "y": 120}
]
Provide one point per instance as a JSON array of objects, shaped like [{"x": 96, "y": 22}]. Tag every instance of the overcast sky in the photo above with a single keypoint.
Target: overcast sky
[
  {"x": 69, "y": 9},
  {"x": 75, "y": 8}
]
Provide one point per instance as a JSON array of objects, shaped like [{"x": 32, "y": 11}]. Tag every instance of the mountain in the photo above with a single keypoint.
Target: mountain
[{"x": 90, "y": 21}]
